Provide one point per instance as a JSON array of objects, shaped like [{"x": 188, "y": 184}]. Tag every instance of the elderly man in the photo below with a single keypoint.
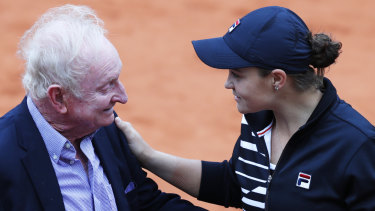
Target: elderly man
[{"x": 59, "y": 148}]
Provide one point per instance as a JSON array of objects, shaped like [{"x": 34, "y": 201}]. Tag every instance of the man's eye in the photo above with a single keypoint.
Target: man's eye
[{"x": 105, "y": 88}]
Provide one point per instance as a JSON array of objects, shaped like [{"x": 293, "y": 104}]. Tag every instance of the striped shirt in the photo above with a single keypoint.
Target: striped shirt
[
  {"x": 76, "y": 186},
  {"x": 252, "y": 167}
]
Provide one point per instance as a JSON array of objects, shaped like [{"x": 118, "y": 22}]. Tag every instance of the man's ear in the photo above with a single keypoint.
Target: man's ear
[
  {"x": 278, "y": 78},
  {"x": 56, "y": 97}
]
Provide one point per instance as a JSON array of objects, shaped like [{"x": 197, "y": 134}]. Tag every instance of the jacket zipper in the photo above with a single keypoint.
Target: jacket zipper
[{"x": 276, "y": 168}]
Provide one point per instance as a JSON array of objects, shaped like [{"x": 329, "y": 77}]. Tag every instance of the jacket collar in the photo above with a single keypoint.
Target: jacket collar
[
  {"x": 259, "y": 120},
  {"x": 36, "y": 160},
  {"x": 329, "y": 97}
]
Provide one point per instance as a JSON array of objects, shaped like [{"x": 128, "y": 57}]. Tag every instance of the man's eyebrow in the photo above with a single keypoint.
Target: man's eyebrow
[{"x": 101, "y": 85}]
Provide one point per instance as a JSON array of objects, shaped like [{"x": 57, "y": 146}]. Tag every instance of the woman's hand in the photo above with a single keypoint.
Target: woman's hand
[
  {"x": 180, "y": 172},
  {"x": 136, "y": 143}
]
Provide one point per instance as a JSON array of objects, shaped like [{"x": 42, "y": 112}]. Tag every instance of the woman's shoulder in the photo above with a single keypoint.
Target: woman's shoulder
[{"x": 351, "y": 120}]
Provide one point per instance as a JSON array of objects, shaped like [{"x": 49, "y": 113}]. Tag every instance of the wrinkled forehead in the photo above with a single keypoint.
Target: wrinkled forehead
[
  {"x": 107, "y": 58},
  {"x": 104, "y": 63},
  {"x": 102, "y": 56}
]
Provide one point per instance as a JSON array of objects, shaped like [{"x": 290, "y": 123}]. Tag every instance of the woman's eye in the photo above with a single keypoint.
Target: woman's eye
[{"x": 235, "y": 75}]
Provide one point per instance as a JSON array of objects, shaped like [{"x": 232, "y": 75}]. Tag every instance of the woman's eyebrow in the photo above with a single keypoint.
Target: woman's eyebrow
[{"x": 235, "y": 71}]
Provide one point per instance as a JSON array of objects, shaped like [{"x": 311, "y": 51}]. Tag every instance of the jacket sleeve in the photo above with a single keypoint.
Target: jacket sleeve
[
  {"x": 360, "y": 177},
  {"x": 146, "y": 195},
  {"x": 219, "y": 184}
]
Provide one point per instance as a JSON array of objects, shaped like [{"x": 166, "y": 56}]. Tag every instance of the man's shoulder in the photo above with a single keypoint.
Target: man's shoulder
[
  {"x": 12, "y": 124},
  {"x": 9, "y": 148},
  {"x": 115, "y": 138},
  {"x": 7, "y": 125},
  {"x": 18, "y": 111}
]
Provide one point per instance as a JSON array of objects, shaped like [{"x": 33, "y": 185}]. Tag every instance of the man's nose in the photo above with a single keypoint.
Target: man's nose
[{"x": 120, "y": 94}]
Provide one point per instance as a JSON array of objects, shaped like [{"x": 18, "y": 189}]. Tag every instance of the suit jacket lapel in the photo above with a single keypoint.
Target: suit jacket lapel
[
  {"x": 106, "y": 155},
  {"x": 37, "y": 162},
  {"x": 43, "y": 177}
]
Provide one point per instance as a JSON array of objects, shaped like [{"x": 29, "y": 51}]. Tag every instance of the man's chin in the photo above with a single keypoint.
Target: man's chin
[
  {"x": 105, "y": 120},
  {"x": 110, "y": 119}
]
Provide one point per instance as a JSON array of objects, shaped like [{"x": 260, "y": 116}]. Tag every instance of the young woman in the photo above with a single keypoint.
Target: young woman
[{"x": 301, "y": 147}]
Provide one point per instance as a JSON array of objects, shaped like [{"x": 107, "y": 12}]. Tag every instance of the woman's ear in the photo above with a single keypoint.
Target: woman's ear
[
  {"x": 56, "y": 98},
  {"x": 278, "y": 78}
]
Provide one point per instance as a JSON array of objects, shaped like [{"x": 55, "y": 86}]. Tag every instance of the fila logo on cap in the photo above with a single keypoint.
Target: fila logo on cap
[
  {"x": 234, "y": 26},
  {"x": 303, "y": 180}
]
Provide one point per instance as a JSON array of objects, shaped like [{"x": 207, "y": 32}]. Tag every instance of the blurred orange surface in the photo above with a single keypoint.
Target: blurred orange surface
[{"x": 178, "y": 104}]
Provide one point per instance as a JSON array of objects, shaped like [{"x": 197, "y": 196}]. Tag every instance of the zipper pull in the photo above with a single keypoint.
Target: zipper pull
[{"x": 269, "y": 178}]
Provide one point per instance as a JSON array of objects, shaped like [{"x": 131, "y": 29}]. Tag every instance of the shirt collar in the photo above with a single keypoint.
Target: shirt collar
[{"x": 53, "y": 140}]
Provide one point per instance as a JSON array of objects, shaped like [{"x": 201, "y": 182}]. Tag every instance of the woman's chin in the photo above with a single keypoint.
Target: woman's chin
[{"x": 243, "y": 110}]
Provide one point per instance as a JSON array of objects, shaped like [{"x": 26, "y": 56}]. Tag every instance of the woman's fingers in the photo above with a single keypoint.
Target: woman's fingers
[
  {"x": 128, "y": 130},
  {"x": 136, "y": 143}
]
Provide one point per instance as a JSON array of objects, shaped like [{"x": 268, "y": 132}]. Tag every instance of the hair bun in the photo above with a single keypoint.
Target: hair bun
[{"x": 324, "y": 50}]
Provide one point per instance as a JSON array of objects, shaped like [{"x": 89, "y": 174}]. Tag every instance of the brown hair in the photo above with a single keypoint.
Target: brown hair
[{"x": 324, "y": 53}]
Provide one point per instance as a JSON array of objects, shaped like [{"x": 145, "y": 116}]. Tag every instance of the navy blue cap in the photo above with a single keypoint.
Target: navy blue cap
[{"x": 270, "y": 38}]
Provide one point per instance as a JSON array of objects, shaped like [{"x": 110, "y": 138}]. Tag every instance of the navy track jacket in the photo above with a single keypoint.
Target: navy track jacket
[{"x": 328, "y": 164}]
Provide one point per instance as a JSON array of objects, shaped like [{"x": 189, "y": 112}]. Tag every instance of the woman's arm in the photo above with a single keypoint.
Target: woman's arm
[{"x": 183, "y": 173}]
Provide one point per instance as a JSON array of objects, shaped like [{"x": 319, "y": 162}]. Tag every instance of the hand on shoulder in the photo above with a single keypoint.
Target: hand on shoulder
[{"x": 137, "y": 145}]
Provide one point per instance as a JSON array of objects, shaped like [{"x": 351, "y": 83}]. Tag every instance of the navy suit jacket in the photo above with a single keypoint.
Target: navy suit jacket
[{"x": 28, "y": 180}]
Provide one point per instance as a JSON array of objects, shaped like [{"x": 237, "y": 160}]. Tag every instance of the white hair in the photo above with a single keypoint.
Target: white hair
[{"x": 59, "y": 49}]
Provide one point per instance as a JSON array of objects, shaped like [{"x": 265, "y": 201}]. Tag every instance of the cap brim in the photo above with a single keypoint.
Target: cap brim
[{"x": 216, "y": 53}]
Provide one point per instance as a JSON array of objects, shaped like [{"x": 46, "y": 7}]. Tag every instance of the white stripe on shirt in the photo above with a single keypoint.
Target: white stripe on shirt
[{"x": 250, "y": 177}]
